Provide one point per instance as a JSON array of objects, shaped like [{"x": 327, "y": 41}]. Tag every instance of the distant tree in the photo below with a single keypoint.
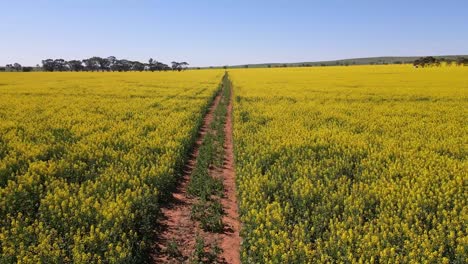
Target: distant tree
[
  {"x": 246, "y": 66},
  {"x": 175, "y": 66},
  {"x": 225, "y": 67},
  {"x": 75, "y": 65},
  {"x": 122, "y": 65},
  {"x": 91, "y": 64},
  {"x": 48, "y": 65},
  {"x": 88, "y": 65},
  {"x": 269, "y": 65},
  {"x": 60, "y": 65},
  {"x": 137, "y": 66},
  {"x": 27, "y": 69},
  {"x": 462, "y": 61},
  {"x": 154, "y": 65},
  {"x": 126, "y": 65},
  {"x": 426, "y": 61},
  {"x": 117, "y": 66},
  {"x": 101, "y": 64},
  {"x": 179, "y": 66},
  {"x": 111, "y": 61},
  {"x": 163, "y": 67},
  {"x": 151, "y": 65},
  {"x": 17, "y": 67},
  {"x": 184, "y": 65},
  {"x": 13, "y": 67}
]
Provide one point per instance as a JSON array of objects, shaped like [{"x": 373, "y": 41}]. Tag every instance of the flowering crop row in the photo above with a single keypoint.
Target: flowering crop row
[
  {"x": 85, "y": 158},
  {"x": 352, "y": 164}
]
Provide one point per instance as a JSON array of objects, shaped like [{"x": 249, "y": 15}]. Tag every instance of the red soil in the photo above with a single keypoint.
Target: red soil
[
  {"x": 175, "y": 223},
  {"x": 230, "y": 239}
]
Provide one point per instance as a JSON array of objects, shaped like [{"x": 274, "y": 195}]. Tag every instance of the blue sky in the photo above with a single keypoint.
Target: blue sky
[{"x": 230, "y": 32}]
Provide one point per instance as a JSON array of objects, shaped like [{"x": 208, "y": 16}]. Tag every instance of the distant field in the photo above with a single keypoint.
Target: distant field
[
  {"x": 347, "y": 62},
  {"x": 352, "y": 164},
  {"x": 85, "y": 157}
]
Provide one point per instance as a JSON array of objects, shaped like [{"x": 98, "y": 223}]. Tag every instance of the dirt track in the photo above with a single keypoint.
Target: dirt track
[
  {"x": 230, "y": 243},
  {"x": 176, "y": 226}
]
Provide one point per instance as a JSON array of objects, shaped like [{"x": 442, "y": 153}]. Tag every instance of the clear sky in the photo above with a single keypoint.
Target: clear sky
[{"x": 230, "y": 32}]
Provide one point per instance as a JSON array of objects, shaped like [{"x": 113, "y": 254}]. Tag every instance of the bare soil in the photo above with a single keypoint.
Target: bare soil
[
  {"x": 175, "y": 226},
  {"x": 230, "y": 239}
]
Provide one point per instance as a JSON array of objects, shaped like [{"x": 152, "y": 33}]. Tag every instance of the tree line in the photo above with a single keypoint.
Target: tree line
[
  {"x": 432, "y": 61},
  {"x": 99, "y": 64},
  {"x": 16, "y": 67},
  {"x": 122, "y": 65}
]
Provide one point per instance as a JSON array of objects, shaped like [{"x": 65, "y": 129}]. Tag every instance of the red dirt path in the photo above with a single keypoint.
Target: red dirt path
[
  {"x": 230, "y": 239},
  {"x": 175, "y": 224}
]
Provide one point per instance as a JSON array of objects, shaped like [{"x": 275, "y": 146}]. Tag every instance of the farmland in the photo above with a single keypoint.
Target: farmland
[
  {"x": 352, "y": 164},
  {"x": 329, "y": 164},
  {"x": 85, "y": 158}
]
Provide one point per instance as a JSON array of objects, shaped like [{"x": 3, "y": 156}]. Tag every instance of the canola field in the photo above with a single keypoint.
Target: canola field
[
  {"x": 85, "y": 157},
  {"x": 352, "y": 164}
]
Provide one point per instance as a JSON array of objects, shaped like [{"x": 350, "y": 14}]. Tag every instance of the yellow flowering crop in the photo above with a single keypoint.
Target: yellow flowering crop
[
  {"x": 84, "y": 158},
  {"x": 352, "y": 164}
]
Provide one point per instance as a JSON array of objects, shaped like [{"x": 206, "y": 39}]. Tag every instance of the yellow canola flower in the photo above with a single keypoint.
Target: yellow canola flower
[
  {"x": 352, "y": 164},
  {"x": 85, "y": 157}
]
